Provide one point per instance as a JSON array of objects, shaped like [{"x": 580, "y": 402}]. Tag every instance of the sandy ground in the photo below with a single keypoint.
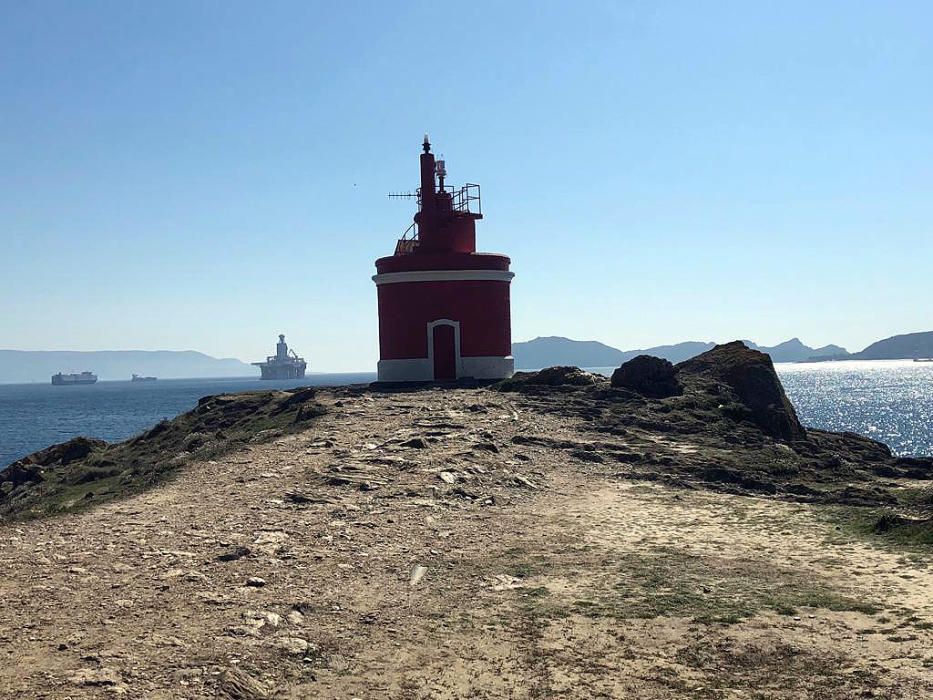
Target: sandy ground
[{"x": 292, "y": 570}]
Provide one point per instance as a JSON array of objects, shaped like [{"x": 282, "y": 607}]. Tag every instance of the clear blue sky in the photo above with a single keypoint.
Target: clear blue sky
[{"x": 206, "y": 175}]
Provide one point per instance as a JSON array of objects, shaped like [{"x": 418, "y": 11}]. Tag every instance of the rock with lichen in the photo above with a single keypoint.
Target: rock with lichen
[
  {"x": 649, "y": 376},
  {"x": 751, "y": 377}
]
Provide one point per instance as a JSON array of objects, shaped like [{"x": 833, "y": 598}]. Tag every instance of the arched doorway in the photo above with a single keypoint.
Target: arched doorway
[{"x": 444, "y": 346}]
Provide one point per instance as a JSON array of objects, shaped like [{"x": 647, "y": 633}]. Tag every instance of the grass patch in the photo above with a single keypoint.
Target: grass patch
[
  {"x": 789, "y": 600},
  {"x": 784, "y": 608},
  {"x": 520, "y": 563},
  {"x": 665, "y": 582},
  {"x": 775, "y": 669},
  {"x": 902, "y": 530},
  {"x": 882, "y": 526},
  {"x": 537, "y": 592},
  {"x": 920, "y": 497},
  {"x": 710, "y": 589}
]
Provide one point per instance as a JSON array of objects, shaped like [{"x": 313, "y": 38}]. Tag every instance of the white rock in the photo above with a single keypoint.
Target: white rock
[
  {"x": 417, "y": 573},
  {"x": 293, "y": 645},
  {"x": 95, "y": 676},
  {"x": 504, "y": 582},
  {"x": 295, "y": 618}
]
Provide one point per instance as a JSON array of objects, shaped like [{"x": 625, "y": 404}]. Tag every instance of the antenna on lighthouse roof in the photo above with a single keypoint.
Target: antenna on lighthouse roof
[{"x": 426, "y": 145}]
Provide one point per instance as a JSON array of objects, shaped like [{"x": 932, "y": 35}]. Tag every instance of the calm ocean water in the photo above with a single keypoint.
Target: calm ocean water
[
  {"x": 891, "y": 401},
  {"x": 887, "y": 400}
]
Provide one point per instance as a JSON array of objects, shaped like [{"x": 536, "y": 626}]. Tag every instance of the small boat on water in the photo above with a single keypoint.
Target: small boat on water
[
  {"x": 923, "y": 359},
  {"x": 137, "y": 378}
]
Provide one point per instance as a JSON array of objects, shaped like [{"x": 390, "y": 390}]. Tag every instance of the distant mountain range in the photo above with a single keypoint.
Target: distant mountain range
[
  {"x": 22, "y": 366},
  {"x": 794, "y": 350},
  {"x": 553, "y": 350}
]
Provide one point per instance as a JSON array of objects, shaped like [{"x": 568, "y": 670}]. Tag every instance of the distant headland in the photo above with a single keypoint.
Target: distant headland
[
  {"x": 24, "y": 366},
  {"x": 554, "y": 350}
]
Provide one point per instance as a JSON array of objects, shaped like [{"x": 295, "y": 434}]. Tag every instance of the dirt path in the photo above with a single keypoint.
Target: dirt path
[{"x": 285, "y": 570}]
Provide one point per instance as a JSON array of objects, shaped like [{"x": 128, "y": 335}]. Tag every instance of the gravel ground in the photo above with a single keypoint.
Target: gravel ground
[{"x": 428, "y": 545}]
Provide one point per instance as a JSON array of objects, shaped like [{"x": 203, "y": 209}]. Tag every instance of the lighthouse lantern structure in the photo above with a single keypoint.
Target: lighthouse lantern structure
[{"x": 444, "y": 309}]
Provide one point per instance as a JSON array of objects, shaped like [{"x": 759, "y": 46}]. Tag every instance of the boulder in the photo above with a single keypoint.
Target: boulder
[
  {"x": 648, "y": 376},
  {"x": 66, "y": 452},
  {"x": 29, "y": 468},
  {"x": 751, "y": 376},
  {"x": 917, "y": 467},
  {"x": 20, "y": 473},
  {"x": 556, "y": 377},
  {"x": 560, "y": 376}
]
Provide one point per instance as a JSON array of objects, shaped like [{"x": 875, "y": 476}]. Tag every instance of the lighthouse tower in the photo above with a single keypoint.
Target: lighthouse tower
[{"x": 443, "y": 307}]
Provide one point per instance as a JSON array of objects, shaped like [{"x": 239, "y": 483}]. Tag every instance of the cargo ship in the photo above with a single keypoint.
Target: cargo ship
[
  {"x": 137, "y": 378},
  {"x": 72, "y": 379},
  {"x": 285, "y": 364}
]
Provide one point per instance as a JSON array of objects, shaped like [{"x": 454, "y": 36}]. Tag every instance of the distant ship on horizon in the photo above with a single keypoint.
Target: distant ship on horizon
[
  {"x": 72, "y": 379},
  {"x": 285, "y": 364},
  {"x": 137, "y": 378}
]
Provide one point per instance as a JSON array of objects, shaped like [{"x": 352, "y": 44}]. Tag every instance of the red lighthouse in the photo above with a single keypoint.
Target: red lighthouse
[{"x": 443, "y": 307}]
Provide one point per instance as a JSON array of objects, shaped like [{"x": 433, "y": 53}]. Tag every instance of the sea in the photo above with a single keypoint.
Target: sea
[{"x": 887, "y": 400}]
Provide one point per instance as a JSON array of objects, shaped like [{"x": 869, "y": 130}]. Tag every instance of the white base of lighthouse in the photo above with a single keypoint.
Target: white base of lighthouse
[{"x": 421, "y": 369}]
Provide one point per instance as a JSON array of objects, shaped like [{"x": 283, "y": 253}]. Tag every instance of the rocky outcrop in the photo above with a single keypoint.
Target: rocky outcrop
[
  {"x": 66, "y": 452},
  {"x": 729, "y": 426},
  {"x": 551, "y": 377},
  {"x": 555, "y": 376},
  {"x": 751, "y": 377},
  {"x": 29, "y": 470},
  {"x": 649, "y": 376},
  {"x": 83, "y": 472},
  {"x": 20, "y": 473}
]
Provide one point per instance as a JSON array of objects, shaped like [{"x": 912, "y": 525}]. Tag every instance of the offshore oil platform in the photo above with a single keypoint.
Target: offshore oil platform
[{"x": 285, "y": 364}]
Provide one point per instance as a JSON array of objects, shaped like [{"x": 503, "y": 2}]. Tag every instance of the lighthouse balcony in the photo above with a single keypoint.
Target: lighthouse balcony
[
  {"x": 408, "y": 243},
  {"x": 467, "y": 200}
]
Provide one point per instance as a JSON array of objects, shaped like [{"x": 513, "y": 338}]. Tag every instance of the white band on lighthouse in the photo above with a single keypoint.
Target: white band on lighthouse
[
  {"x": 443, "y": 276},
  {"x": 421, "y": 369}
]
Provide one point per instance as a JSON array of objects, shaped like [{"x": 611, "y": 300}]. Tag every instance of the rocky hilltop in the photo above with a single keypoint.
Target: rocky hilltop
[
  {"x": 671, "y": 532},
  {"x": 910, "y": 345}
]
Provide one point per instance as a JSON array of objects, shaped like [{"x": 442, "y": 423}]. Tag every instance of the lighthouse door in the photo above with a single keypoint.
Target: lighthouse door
[{"x": 445, "y": 354}]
